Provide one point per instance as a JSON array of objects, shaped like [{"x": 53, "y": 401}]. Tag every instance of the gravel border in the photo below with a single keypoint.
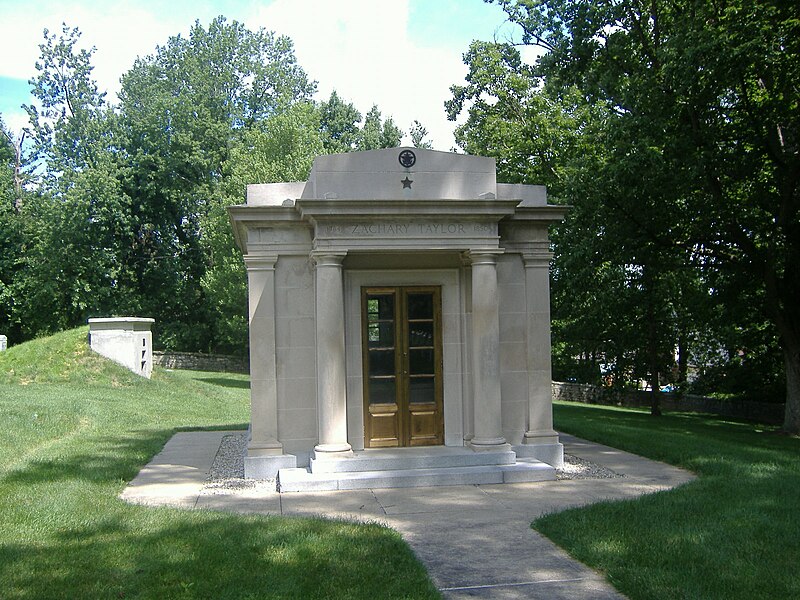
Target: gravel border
[
  {"x": 227, "y": 470},
  {"x": 576, "y": 467}
]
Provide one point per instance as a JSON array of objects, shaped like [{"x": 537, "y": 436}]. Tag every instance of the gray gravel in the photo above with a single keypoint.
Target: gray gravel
[
  {"x": 227, "y": 471},
  {"x": 577, "y": 468}
]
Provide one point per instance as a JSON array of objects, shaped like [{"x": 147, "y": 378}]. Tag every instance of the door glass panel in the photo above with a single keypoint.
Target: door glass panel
[
  {"x": 420, "y": 306},
  {"x": 381, "y": 362},
  {"x": 422, "y": 389},
  {"x": 420, "y": 334},
  {"x": 380, "y": 335},
  {"x": 421, "y": 361},
  {"x": 380, "y": 307},
  {"x": 382, "y": 391}
]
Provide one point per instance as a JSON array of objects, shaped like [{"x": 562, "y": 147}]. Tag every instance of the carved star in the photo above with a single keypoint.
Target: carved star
[{"x": 407, "y": 183}]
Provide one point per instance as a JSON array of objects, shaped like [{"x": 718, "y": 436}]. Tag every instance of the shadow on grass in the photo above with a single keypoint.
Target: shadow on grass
[
  {"x": 739, "y": 513},
  {"x": 107, "y": 458},
  {"x": 161, "y": 553},
  {"x": 226, "y": 382}
]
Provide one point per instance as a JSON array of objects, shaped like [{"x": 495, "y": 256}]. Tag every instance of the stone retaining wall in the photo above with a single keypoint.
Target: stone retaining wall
[
  {"x": 763, "y": 412},
  {"x": 196, "y": 361}
]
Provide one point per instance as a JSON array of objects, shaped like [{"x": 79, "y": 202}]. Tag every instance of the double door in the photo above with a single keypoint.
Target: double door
[{"x": 402, "y": 366}]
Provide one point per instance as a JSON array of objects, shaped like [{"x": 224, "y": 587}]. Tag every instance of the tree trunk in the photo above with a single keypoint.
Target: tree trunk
[
  {"x": 683, "y": 363},
  {"x": 652, "y": 351},
  {"x": 791, "y": 357}
]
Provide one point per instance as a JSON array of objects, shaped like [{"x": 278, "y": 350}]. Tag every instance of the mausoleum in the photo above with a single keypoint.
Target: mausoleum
[{"x": 399, "y": 323}]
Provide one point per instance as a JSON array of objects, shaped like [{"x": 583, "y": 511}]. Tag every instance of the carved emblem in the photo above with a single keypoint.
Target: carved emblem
[{"x": 407, "y": 158}]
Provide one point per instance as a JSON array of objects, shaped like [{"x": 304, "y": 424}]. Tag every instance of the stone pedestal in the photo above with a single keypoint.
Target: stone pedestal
[{"x": 125, "y": 340}]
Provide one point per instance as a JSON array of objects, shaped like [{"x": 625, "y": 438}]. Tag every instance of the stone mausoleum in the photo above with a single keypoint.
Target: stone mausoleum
[{"x": 399, "y": 324}]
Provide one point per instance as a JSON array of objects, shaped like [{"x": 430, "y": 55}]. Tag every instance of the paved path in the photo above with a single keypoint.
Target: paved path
[{"x": 475, "y": 540}]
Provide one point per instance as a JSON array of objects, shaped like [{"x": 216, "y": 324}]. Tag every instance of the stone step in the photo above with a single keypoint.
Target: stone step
[
  {"x": 396, "y": 459},
  {"x": 303, "y": 480}
]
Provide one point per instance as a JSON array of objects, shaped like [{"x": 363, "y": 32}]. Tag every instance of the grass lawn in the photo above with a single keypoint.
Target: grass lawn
[
  {"x": 733, "y": 533},
  {"x": 77, "y": 427}
]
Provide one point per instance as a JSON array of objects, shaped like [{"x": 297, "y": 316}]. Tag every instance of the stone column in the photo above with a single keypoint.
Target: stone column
[
  {"x": 537, "y": 298},
  {"x": 331, "y": 370},
  {"x": 488, "y": 425},
  {"x": 263, "y": 379}
]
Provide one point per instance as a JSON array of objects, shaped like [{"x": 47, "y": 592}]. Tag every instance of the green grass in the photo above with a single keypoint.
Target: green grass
[
  {"x": 732, "y": 533},
  {"x": 76, "y": 427}
]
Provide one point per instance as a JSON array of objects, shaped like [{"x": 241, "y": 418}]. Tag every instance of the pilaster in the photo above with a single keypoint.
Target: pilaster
[
  {"x": 537, "y": 297},
  {"x": 263, "y": 380}
]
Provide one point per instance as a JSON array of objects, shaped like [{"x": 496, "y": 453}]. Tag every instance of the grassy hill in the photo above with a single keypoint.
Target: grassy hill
[{"x": 76, "y": 427}]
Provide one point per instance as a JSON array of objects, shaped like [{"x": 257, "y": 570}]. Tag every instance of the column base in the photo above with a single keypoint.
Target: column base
[
  {"x": 540, "y": 436},
  {"x": 323, "y": 451},
  {"x": 493, "y": 444}
]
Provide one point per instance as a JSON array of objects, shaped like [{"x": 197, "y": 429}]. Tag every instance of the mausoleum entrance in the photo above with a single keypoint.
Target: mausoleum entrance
[{"x": 402, "y": 366}]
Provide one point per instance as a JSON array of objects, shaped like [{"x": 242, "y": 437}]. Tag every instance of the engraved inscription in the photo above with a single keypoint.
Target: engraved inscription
[{"x": 408, "y": 229}]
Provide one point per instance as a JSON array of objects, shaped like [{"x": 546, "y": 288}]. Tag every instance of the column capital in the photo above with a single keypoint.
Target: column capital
[
  {"x": 260, "y": 262},
  {"x": 328, "y": 258},
  {"x": 537, "y": 258},
  {"x": 482, "y": 256}
]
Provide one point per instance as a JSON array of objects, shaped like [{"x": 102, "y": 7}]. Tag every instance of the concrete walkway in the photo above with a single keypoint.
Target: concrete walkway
[{"x": 475, "y": 540}]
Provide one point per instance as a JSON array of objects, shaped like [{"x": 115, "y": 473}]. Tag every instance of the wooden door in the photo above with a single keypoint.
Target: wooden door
[{"x": 402, "y": 366}]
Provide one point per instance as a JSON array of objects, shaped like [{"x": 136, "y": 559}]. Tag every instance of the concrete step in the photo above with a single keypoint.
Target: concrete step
[
  {"x": 303, "y": 480},
  {"x": 396, "y": 459}
]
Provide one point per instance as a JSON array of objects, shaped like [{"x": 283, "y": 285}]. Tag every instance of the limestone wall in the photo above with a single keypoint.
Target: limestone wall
[{"x": 195, "y": 361}]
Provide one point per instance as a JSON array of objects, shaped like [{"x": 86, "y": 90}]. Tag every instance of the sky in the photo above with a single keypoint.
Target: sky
[{"x": 402, "y": 55}]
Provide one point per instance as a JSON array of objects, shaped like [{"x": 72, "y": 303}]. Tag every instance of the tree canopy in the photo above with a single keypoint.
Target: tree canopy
[
  {"x": 123, "y": 210},
  {"x": 672, "y": 128}
]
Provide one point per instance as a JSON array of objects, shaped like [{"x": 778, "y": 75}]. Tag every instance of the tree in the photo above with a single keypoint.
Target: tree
[
  {"x": 11, "y": 226},
  {"x": 418, "y": 133},
  {"x": 281, "y": 149},
  {"x": 182, "y": 111},
  {"x": 545, "y": 134},
  {"x": 377, "y": 133},
  {"x": 72, "y": 229},
  {"x": 704, "y": 109},
  {"x": 70, "y": 125},
  {"x": 339, "y": 124}
]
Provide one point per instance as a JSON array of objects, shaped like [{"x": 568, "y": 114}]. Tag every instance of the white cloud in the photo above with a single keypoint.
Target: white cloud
[{"x": 361, "y": 48}]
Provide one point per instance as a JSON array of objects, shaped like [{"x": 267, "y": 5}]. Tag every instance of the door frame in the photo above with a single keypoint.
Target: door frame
[
  {"x": 455, "y": 380},
  {"x": 405, "y": 412}
]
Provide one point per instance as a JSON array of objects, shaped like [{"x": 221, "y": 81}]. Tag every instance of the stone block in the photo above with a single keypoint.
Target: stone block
[
  {"x": 267, "y": 467},
  {"x": 550, "y": 453},
  {"x": 125, "y": 340}
]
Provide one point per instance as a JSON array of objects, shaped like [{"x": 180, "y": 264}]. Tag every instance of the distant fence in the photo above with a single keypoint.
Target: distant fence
[
  {"x": 762, "y": 412},
  {"x": 201, "y": 362}
]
